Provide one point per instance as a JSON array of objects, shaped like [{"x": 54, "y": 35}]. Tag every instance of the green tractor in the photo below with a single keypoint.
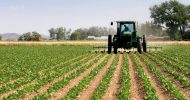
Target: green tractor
[{"x": 126, "y": 38}]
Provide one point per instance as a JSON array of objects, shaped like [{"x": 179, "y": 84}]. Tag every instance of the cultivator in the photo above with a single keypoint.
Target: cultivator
[{"x": 104, "y": 49}]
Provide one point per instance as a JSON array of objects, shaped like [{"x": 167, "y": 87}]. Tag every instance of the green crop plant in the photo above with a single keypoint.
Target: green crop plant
[
  {"x": 100, "y": 90},
  {"x": 124, "y": 93},
  {"x": 168, "y": 85},
  {"x": 150, "y": 92},
  {"x": 74, "y": 92}
]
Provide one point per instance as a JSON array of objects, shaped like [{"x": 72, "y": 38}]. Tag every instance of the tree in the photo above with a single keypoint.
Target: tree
[
  {"x": 75, "y": 36},
  {"x": 36, "y": 36},
  {"x": 83, "y": 33},
  {"x": 68, "y": 34},
  {"x": 30, "y": 36},
  {"x": 100, "y": 31},
  {"x": 53, "y": 33},
  {"x": 171, "y": 14},
  {"x": 27, "y": 36},
  {"x": 59, "y": 33},
  {"x": 0, "y": 38}
]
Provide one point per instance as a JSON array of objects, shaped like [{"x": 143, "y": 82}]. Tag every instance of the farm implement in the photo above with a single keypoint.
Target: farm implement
[
  {"x": 104, "y": 49},
  {"x": 127, "y": 39}
]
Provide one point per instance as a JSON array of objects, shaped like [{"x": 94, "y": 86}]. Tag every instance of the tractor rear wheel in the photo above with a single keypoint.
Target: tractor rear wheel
[
  {"x": 139, "y": 46},
  {"x": 115, "y": 45},
  {"x": 109, "y": 44},
  {"x": 144, "y": 44}
]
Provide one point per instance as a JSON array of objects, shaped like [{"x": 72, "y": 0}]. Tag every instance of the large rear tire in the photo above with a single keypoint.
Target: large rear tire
[
  {"x": 139, "y": 46},
  {"x": 144, "y": 44},
  {"x": 109, "y": 44},
  {"x": 115, "y": 44}
]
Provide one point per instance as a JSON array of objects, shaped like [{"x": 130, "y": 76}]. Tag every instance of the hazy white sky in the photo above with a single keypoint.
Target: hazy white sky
[{"x": 18, "y": 16}]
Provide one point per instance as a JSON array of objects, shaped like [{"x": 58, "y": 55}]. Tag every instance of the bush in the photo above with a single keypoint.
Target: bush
[{"x": 34, "y": 36}]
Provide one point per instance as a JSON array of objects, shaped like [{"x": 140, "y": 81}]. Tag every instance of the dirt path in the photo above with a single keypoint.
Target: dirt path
[
  {"x": 86, "y": 94},
  {"x": 183, "y": 89},
  {"x": 136, "y": 92},
  {"x": 62, "y": 92},
  {"x": 19, "y": 88},
  {"x": 113, "y": 89},
  {"x": 46, "y": 87},
  {"x": 160, "y": 92}
]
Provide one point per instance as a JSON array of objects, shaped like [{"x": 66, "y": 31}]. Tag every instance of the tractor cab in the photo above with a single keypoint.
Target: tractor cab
[
  {"x": 126, "y": 37},
  {"x": 127, "y": 29}
]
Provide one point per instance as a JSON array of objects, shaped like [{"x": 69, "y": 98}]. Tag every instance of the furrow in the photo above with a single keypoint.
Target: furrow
[
  {"x": 87, "y": 93},
  {"x": 62, "y": 92}
]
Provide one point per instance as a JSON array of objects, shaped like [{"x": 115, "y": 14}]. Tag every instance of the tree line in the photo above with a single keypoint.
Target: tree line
[{"x": 62, "y": 33}]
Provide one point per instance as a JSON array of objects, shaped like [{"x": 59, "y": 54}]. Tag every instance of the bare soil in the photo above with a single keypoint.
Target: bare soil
[
  {"x": 87, "y": 93},
  {"x": 62, "y": 92},
  {"x": 113, "y": 89}
]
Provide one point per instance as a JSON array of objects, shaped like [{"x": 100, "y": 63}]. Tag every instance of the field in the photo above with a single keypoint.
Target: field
[
  {"x": 71, "y": 72},
  {"x": 82, "y": 43}
]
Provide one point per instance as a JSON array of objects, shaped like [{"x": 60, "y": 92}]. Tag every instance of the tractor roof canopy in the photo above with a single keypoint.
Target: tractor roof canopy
[{"x": 130, "y": 22}]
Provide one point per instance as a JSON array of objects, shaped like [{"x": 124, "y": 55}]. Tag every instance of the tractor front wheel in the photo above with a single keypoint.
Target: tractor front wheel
[
  {"x": 139, "y": 45},
  {"x": 115, "y": 45},
  {"x": 109, "y": 44}
]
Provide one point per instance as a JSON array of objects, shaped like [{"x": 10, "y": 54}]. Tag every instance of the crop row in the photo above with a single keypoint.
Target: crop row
[
  {"x": 180, "y": 53},
  {"x": 124, "y": 93},
  {"x": 100, "y": 90},
  {"x": 173, "y": 64},
  {"x": 74, "y": 92},
  {"x": 150, "y": 92},
  {"x": 174, "y": 59},
  {"x": 45, "y": 78},
  {"x": 21, "y": 61},
  {"x": 167, "y": 84},
  {"x": 184, "y": 80},
  {"x": 62, "y": 83}
]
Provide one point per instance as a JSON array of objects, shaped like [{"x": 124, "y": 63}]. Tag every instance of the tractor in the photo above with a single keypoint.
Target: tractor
[{"x": 126, "y": 38}]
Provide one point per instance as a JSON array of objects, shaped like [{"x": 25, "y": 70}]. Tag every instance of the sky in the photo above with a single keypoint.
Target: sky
[{"x": 19, "y": 16}]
